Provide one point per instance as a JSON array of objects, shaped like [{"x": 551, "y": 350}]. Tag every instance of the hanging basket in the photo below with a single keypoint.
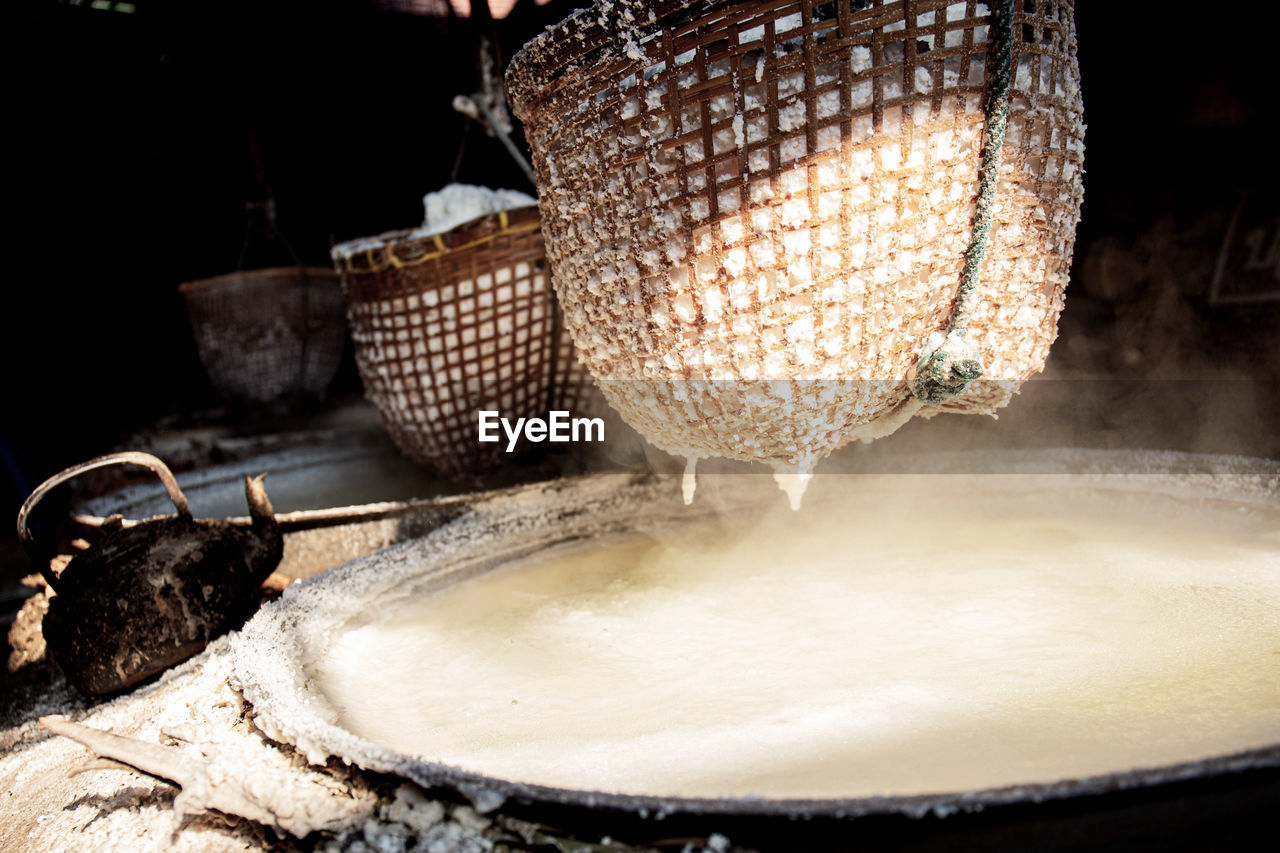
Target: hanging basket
[
  {"x": 268, "y": 335},
  {"x": 448, "y": 325},
  {"x": 758, "y": 213}
]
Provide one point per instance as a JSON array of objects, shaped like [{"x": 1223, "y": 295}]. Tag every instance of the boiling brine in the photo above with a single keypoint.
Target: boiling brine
[{"x": 895, "y": 643}]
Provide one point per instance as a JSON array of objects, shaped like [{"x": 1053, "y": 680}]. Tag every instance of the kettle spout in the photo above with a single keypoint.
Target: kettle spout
[
  {"x": 260, "y": 509},
  {"x": 265, "y": 545}
]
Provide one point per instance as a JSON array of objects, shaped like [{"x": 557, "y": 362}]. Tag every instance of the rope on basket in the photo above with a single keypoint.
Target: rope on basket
[{"x": 948, "y": 363}]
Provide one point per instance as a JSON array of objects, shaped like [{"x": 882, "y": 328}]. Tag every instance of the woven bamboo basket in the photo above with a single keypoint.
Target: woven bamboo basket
[
  {"x": 758, "y": 213},
  {"x": 268, "y": 335},
  {"x": 447, "y": 325}
]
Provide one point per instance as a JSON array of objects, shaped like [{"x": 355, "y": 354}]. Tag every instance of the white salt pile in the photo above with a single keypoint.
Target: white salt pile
[
  {"x": 460, "y": 203},
  {"x": 444, "y": 209}
]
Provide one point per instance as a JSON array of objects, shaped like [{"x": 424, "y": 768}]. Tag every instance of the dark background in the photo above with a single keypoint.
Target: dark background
[{"x": 130, "y": 164}]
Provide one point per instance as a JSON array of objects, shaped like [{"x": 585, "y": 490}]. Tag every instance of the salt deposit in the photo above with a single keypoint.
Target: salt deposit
[
  {"x": 689, "y": 482},
  {"x": 793, "y": 483}
]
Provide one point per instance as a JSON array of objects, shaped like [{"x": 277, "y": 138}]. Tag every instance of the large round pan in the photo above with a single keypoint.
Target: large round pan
[{"x": 1214, "y": 803}]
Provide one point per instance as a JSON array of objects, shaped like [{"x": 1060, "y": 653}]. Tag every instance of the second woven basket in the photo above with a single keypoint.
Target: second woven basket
[
  {"x": 446, "y": 325},
  {"x": 757, "y": 213}
]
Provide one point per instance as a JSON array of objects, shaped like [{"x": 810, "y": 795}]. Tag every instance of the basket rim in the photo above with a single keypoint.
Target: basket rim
[
  {"x": 265, "y": 273},
  {"x": 584, "y": 36},
  {"x": 619, "y": 34},
  {"x": 409, "y": 246}
]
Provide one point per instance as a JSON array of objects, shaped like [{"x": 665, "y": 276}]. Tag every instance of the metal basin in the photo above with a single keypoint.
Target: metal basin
[{"x": 1210, "y": 800}]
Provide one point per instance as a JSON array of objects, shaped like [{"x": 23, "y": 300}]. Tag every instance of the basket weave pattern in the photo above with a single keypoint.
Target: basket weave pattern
[
  {"x": 255, "y": 331},
  {"x": 737, "y": 193},
  {"x": 447, "y": 325}
]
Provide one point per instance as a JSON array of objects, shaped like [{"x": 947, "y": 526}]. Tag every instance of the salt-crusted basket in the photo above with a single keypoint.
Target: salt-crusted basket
[
  {"x": 757, "y": 213},
  {"x": 447, "y": 325},
  {"x": 268, "y": 335}
]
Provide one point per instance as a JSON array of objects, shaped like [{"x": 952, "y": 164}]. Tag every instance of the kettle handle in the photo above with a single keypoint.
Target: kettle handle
[{"x": 131, "y": 457}]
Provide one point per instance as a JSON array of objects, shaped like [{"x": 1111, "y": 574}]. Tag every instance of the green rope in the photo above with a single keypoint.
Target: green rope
[{"x": 948, "y": 363}]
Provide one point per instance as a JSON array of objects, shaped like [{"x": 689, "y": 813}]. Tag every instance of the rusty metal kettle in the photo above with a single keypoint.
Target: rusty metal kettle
[{"x": 150, "y": 594}]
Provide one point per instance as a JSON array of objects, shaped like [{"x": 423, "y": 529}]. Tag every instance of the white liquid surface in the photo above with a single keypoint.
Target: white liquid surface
[{"x": 842, "y": 653}]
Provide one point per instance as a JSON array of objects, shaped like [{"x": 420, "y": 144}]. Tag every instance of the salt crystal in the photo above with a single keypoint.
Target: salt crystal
[{"x": 689, "y": 482}]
